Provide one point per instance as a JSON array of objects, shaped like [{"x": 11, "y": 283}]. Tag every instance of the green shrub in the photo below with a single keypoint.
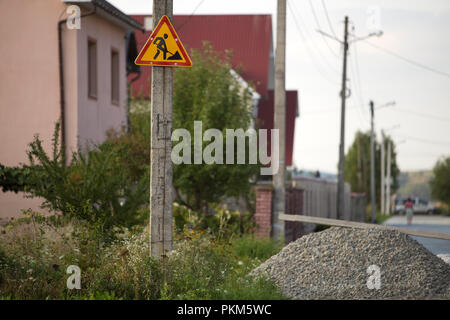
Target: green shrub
[
  {"x": 94, "y": 187},
  {"x": 222, "y": 223},
  {"x": 13, "y": 178},
  {"x": 250, "y": 247},
  {"x": 208, "y": 92},
  {"x": 134, "y": 144}
]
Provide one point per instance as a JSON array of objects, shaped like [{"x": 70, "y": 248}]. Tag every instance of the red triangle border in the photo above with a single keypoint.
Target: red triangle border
[{"x": 187, "y": 63}]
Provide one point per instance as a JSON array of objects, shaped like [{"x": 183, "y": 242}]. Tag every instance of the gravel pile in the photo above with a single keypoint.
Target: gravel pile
[{"x": 333, "y": 264}]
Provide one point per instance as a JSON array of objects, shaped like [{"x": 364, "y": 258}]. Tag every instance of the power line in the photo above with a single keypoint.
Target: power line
[
  {"x": 328, "y": 18},
  {"x": 424, "y": 115},
  {"x": 356, "y": 96},
  {"x": 308, "y": 49},
  {"x": 356, "y": 84},
  {"x": 327, "y": 110},
  {"x": 318, "y": 27},
  {"x": 190, "y": 16},
  {"x": 314, "y": 45},
  {"x": 436, "y": 142},
  {"x": 358, "y": 73},
  {"x": 358, "y": 100},
  {"x": 423, "y": 155},
  {"x": 415, "y": 63}
]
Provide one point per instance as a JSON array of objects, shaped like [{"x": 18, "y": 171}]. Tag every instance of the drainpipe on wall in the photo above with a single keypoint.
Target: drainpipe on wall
[{"x": 61, "y": 81}]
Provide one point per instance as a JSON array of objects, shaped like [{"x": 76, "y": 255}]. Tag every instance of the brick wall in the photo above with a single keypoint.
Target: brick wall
[{"x": 263, "y": 213}]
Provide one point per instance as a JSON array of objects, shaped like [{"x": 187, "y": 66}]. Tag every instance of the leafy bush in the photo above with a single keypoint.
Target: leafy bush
[
  {"x": 250, "y": 247},
  {"x": 440, "y": 183},
  {"x": 134, "y": 143},
  {"x": 13, "y": 178},
  {"x": 208, "y": 92},
  {"x": 221, "y": 222},
  {"x": 95, "y": 186}
]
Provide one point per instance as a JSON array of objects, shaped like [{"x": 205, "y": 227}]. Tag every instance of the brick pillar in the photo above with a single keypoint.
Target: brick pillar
[{"x": 263, "y": 214}]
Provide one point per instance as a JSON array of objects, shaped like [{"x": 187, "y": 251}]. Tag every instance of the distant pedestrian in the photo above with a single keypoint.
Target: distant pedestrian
[{"x": 409, "y": 210}]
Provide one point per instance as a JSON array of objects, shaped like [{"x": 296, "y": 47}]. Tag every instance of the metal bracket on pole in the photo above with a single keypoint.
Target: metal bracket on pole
[{"x": 164, "y": 124}]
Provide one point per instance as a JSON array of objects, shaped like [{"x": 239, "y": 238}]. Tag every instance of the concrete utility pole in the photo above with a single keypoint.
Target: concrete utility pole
[
  {"x": 372, "y": 164},
  {"x": 360, "y": 185},
  {"x": 341, "y": 174},
  {"x": 382, "y": 173},
  {"x": 280, "y": 122},
  {"x": 161, "y": 170},
  {"x": 388, "y": 182}
]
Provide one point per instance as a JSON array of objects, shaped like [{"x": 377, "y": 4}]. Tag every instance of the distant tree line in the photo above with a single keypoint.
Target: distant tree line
[{"x": 357, "y": 165}]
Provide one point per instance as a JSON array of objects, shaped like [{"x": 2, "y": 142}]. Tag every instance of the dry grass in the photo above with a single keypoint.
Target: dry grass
[{"x": 35, "y": 253}]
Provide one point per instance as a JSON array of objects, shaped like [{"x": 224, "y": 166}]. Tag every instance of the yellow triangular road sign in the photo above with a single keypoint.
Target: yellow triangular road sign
[{"x": 164, "y": 48}]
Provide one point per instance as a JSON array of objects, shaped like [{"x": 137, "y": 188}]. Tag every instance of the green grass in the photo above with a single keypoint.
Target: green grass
[
  {"x": 34, "y": 259},
  {"x": 250, "y": 247},
  {"x": 380, "y": 218}
]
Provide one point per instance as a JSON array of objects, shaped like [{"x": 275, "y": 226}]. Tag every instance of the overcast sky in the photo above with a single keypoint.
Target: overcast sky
[{"x": 417, "y": 30}]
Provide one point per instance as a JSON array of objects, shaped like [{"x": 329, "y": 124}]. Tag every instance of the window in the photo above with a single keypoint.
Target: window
[
  {"x": 114, "y": 76},
  {"x": 92, "y": 68}
]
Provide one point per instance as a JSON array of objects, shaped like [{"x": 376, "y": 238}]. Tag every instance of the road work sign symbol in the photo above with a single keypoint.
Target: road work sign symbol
[{"x": 164, "y": 48}]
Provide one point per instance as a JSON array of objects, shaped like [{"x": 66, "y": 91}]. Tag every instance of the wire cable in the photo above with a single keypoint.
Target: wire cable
[
  {"x": 308, "y": 49},
  {"x": 355, "y": 98},
  {"x": 318, "y": 52},
  {"x": 424, "y": 115},
  {"x": 328, "y": 19},
  {"x": 415, "y": 63},
  {"x": 436, "y": 142},
  {"x": 358, "y": 74},
  {"x": 319, "y": 27},
  {"x": 190, "y": 16}
]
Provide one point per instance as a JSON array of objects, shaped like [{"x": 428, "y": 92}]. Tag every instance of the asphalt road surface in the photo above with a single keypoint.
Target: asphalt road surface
[{"x": 431, "y": 223}]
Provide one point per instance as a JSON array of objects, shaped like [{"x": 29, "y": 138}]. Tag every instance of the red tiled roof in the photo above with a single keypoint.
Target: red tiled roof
[
  {"x": 265, "y": 113},
  {"x": 249, "y": 36}
]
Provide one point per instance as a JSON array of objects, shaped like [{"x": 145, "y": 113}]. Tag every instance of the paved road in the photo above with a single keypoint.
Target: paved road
[{"x": 426, "y": 223}]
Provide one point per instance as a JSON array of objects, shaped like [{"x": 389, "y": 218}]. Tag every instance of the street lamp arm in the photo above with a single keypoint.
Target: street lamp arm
[
  {"x": 378, "y": 34},
  {"x": 392, "y": 128},
  {"x": 329, "y": 36},
  {"x": 392, "y": 103}
]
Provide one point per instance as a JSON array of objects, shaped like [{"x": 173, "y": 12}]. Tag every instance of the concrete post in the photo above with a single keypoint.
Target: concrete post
[
  {"x": 382, "y": 205},
  {"x": 280, "y": 121},
  {"x": 388, "y": 182},
  {"x": 341, "y": 171},
  {"x": 161, "y": 171}
]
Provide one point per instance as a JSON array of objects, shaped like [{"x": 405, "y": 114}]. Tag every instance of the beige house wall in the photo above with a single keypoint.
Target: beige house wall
[
  {"x": 29, "y": 84},
  {"x": 97, "y": 116}
]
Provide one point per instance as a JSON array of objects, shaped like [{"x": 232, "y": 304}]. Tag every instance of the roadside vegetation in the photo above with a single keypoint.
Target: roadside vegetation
[
  {"x": 440, "y": 184},
  {"x": 357, "y": 165},
  {"x": 99, "y": 200},
  {"x": 211, "y": 263},
  {"x": 379, "y": 216}
]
